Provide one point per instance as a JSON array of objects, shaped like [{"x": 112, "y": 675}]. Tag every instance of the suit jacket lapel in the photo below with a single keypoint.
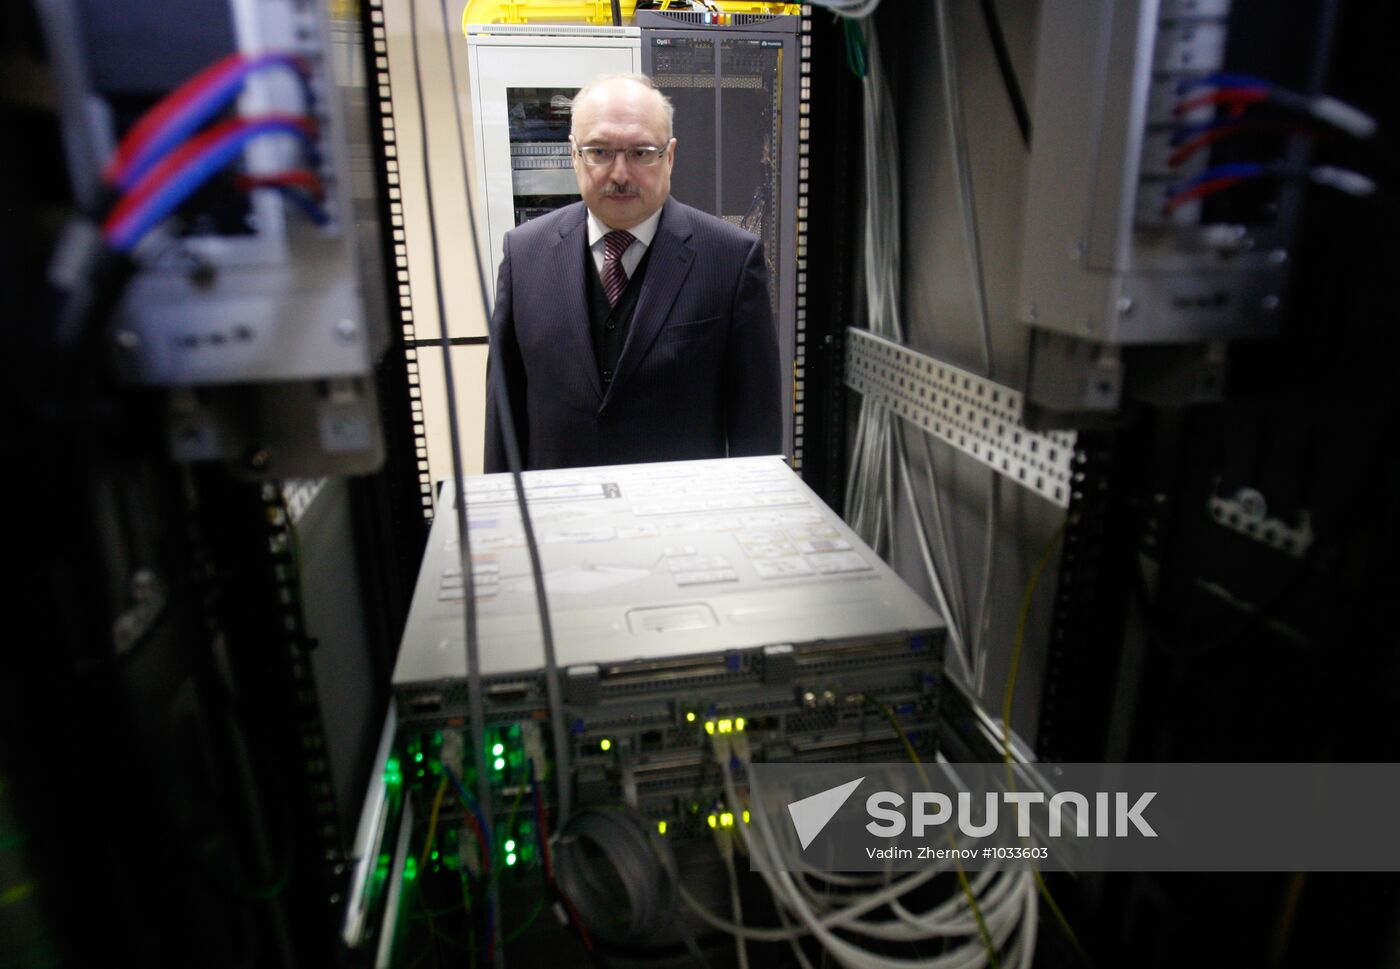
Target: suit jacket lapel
[
  {"x": 671, "y": 259},
  {"x": 571, "y": 249}
]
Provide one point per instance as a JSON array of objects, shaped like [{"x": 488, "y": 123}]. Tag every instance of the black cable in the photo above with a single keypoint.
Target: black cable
[
  {"x": 495, "y": 384},
  {"x": 473, "y": 659},
  {"x": 1007, "y": 70}
]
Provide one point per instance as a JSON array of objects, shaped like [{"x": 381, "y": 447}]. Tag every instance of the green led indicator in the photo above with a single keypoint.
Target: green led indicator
[
  {"x": 418, "y": 757},
  {"x": 510, "y": 845},
  {"x": 500, "y": 763},
  {"x": 434, "y": 856},
  {"x": 510, "y": 858},
  {"x": 410, "y": 870},
  {"x": 498, "y": 750}
]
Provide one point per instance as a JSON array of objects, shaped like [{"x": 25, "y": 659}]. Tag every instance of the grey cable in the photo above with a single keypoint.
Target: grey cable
[
  {"x": 740, "y": 947},
  {"x": 957, "y": 136},
  {"x": 954, "y": 632},
  {"x": 979, "y": 652},
  {"x": 475, "y": 703},
  {"x": 945, "y": 536},
  {"x": 643, "y": 864},
  {"x": 562, "y": 767}
]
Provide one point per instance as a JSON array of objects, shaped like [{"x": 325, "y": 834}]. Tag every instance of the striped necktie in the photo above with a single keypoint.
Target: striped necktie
[{"x": 615, "y": 243}]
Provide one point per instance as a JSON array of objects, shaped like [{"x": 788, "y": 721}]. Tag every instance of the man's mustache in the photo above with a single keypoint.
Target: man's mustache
[{"x": 615, "y": 189}]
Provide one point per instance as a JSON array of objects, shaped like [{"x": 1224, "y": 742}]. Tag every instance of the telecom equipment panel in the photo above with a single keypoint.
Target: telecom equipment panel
[
  {"x": 684, "y": 595},
  {"x": 1129, "y": 237},
  {"x": 736, "y": 89},
  {"x": 523, "y": 79},
  {"x": 261, "y": 303}
]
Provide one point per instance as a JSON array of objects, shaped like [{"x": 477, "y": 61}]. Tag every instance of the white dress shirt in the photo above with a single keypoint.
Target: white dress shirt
[{"x": 641, "y": 236}]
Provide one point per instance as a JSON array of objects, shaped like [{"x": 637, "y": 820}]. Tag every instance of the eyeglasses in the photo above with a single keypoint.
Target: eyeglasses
[{"x": 641, "y": 155}]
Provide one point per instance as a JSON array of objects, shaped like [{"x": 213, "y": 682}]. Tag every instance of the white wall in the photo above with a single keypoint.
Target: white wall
[{"x": 437, "y": 26}]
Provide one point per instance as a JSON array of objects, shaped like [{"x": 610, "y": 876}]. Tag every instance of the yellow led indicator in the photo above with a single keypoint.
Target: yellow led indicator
[
  {"x": 714, "y": 821},
  {"x": 726, "y": 726},
  {"x": 690, "y": 716},
  {"x": 709, "y": 726},
  {"x": 726, "y": 820},
  {"x": 739, "y": 724},
  {"x": 605, "y": 744},
  {"x": 660, "y": 827},
  {"x": 746, "y": 817}
]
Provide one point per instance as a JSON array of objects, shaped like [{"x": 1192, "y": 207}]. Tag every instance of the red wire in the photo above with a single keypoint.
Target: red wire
[
  {"x": 152, "y": 121},
  {"x": 1188, "y": 148},
  {"x": 168, "y": 166},
  {"x": 1206, "y": 188},
  {"x": 541, "y": 818},
  {"x": 1236, "y": 97},
  {"x": 295, "y": 178},
  {"x": 481, "y": 842}
]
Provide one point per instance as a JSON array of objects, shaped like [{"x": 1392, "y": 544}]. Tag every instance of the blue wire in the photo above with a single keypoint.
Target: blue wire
[
  {"x": 200, "y": 109},
  {"x": 186, "y": 182},
  {"x": 302, "y": 201},
  {"x": 471, "y": 805},
  {"x": 1187, "y": 132},
  {"x": 1232, "y": 170},
  {"x": 1223, "y": 79}
]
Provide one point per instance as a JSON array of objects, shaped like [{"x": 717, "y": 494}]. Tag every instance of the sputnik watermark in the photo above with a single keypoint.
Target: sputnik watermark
[
  {"x": 885, "y": 806},
  {"x": 1074, "y": 817},
  {"x": 934, "y": 809}
]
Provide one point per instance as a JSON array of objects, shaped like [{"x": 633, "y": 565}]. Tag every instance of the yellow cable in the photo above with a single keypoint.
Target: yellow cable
[
  {"x": 432, "y": 822},
  {"x": 983, "y": 932},
  {"x": 1017, "y": 647}
]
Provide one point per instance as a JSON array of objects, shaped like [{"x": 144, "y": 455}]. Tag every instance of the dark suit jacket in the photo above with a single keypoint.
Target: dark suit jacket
[{"x": 698, "y": 376}]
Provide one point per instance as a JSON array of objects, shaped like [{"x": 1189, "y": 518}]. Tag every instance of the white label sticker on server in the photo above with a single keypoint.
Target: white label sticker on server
[
  {"x": 580, "y": 535},
  {"x": 833, "y": 562},
  {"x": 818, "y": 545},
  {"x": 781, "y": 568}
]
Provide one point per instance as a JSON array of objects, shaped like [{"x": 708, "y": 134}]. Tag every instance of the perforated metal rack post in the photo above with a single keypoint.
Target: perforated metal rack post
[
  {"x": 977, "y": 416},
  {"x": 395, "y": 242}
]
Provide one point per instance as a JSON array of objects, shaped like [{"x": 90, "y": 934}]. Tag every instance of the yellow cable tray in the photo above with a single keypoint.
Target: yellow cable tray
[{"x": 594, "y": 12}]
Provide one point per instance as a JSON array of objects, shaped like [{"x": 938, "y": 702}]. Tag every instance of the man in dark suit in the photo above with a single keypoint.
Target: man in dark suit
[{"x": 629, "y": 327}]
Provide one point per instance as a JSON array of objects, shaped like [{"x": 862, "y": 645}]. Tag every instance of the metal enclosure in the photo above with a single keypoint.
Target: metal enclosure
[
  {"x": 737, "y": 93},
  {"x": 523, "y": 79},
  {"x": 690, "y": 591},
  {"x": 1103, "y": 258},
  {"x": 267, "y": 325}
]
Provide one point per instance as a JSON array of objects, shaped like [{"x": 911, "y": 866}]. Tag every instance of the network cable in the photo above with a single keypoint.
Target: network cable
[
  {"x": 1239, "y": 91},
  {"x": 188, "y": 108},
  {"x": 475, "y": 703},
  {"x": 183, "y": 171},
  {"x": 496, "y": 386}
]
